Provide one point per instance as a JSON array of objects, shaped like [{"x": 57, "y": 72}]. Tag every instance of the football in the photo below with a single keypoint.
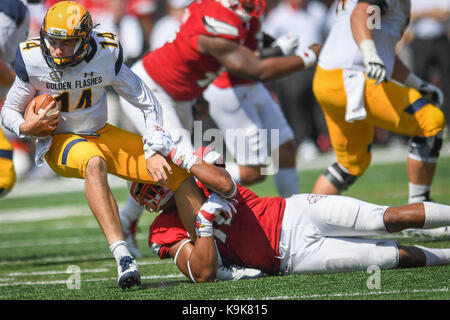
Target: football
[{"x": 42, "y": 101}]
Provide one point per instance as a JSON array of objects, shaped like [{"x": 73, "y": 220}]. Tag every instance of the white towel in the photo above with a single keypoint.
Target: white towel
[
  {"x": 42, "y": 146},
  {"x": 354, "y": 83}
]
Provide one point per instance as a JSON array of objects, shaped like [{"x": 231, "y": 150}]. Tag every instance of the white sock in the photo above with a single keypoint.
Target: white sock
[
  {"x": 286, "y": 181},
  {"x": 436, "y": 215},
  {"x": 418, "y": 193},
  {"x": 119, "y": 249},
  {"x": 234, "y": 171},
  {"x": 436, "y": 257},
  {"x": 132, "y": 210}
]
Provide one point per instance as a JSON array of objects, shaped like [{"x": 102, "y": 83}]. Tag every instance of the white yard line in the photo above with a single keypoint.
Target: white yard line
[
  {"x": 50, "y": 242},
  {"x": 56, "y": 185},
  {"x": 46, "y": 213},
  {"x": 81, "y": 258},
  {"x": 353, "y": 294},
  {"x": 35, "y": 214},
  {"x": 53, "y": 272},
  {"x": 35, "y": 283}
]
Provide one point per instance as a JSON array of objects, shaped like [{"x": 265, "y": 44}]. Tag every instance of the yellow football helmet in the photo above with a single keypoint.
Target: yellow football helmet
[{"x": 66, "y": 20}]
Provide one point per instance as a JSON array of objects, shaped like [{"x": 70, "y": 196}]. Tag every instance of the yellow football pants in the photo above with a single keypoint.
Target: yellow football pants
[
  {"x": 7, "y": 173},
  {"x": 389, "y": 106},
  {"x": 121, "y": 150}
]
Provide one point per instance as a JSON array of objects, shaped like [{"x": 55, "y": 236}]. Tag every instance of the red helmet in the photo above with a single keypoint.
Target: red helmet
[
  {"x": 153, "y": 197},
  {"x": 150, "y": 196},
  {"x": 245, "y": 9}
]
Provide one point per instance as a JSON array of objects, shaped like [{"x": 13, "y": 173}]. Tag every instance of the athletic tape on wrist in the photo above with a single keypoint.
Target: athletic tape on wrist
[{"x": 309, "y": 58}]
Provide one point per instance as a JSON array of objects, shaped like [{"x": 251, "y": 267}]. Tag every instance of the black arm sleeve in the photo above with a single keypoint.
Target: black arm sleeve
[{"x": 270, "y": 52}]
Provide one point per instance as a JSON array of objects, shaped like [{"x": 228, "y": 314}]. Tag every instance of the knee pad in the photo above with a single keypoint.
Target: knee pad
[
  {"x": 425, "y": 149},
  {"x": 339, "y": 211},
  {"x": 348, "y": 217},
  {"x": 339, "y": 176}
]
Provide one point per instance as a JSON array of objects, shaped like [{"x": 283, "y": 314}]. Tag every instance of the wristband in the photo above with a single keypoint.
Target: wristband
[
  {"x": 204, "y": 226},
  {"x": 309, "y": 57}
]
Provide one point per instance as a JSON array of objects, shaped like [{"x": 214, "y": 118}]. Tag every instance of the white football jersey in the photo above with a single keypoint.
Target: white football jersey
[
  {"x": 340, "y": 50},
  {"x": 79, "y": 90}
]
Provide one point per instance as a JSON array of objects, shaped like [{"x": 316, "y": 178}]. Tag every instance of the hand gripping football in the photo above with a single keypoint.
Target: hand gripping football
[{"x": 42, "y": 101}]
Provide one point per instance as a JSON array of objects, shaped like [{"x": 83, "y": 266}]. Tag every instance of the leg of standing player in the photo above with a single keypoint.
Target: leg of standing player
[
  {"x": 390, "y": 106},
  {"x": 177, "y": 120}
]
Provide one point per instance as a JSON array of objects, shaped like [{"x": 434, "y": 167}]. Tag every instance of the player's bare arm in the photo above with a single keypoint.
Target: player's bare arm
[
  {"x": 404, "y": 75},
  {"x": 401, "y": 71},
  {"x": 359, "y": 22},
  {"x": 215, "y": 178},
  {"x": 7, "y": 74},
  {"x": 243, "y": 62},
  {"x": 197, "y": 262}
]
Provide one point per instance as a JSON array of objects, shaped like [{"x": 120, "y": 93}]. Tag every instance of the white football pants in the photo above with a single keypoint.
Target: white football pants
[{"x": 323, "y": 234}]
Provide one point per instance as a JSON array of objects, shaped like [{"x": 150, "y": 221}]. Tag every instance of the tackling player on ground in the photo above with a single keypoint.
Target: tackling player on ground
[{"x": 306, "y": 233}]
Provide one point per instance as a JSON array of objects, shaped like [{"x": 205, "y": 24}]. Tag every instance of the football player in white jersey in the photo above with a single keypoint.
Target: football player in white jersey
[
  {"x": 361, "y": 84},
  {"x": 14, "y": 24},
  {"x": 74, "y": 62}
]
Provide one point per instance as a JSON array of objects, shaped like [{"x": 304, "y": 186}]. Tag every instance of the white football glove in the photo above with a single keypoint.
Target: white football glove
[
  {"x": 161, "y": 141},
  {"x": 375, "y": 68},
  {"x": 215, "y": 210},
  {"x": 287, "y": 43},
  {"x": 430, "y": 92}
]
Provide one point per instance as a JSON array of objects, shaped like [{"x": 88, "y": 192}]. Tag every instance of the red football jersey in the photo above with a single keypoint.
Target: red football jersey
[
  {"x": 178, "y": 66},
  {"x": 252, "y": 239},
  {"x": 226, "y": 79}
]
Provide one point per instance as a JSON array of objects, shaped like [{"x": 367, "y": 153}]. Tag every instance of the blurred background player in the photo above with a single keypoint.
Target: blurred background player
[
  {"x": 354, "y": 86},
  {"x": 14, "y": 25},
  {"x": 246, "y": 113},
  {"x": 430, "y": 23},
  {"x": 166, "y": 27},
  {"x": 210, "y": 38},
  {"x": 305, "y": 19},
  {"x": 306, "y": 233}
]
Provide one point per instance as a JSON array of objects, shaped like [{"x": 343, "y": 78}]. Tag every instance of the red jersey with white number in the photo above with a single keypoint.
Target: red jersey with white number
[
  {"x": 226, "y": 79},
  {"x": 252, "y": 239},
  {"x": 179, "y": 67}
]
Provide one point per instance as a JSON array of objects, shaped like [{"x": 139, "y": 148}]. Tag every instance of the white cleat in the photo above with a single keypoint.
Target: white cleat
[
  {"x": 128, "y": 273},
  {"x": 232, "y": 272},
  {"x": 129, "y": 232}
]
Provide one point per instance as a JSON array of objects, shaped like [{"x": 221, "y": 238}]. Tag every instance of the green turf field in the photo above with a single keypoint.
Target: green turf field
[{"x": 43, "y": 257}]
